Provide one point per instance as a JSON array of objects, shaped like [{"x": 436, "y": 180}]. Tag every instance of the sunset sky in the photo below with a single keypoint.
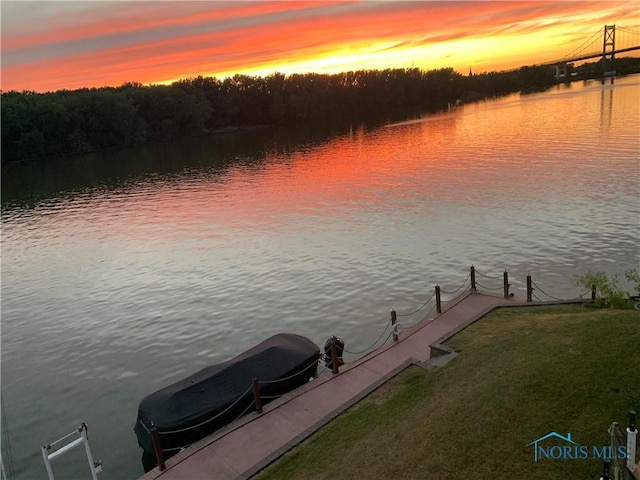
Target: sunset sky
[{"x": 57, "y": 44}]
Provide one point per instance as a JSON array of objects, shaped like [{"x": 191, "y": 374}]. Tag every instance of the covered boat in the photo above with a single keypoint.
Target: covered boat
[{"x": 197, "y": 406}]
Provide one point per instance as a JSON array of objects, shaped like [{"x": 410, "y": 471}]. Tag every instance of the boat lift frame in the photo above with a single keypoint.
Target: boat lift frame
[{"x": 83, "y": 439}]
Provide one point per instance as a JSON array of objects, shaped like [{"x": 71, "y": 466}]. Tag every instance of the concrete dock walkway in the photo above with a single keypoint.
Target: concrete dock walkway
[{"x": 243, "y": 448}]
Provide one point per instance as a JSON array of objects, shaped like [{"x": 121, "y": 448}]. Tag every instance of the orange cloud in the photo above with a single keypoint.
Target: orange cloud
[{"x": 75, "y": 45}]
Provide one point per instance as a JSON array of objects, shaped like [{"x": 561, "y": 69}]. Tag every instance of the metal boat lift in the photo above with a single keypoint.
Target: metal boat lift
[{"x": 82, "y": 439}]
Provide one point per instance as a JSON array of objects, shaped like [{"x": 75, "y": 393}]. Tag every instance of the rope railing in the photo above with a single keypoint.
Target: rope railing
[
  {"x": 488, "y": 276},
  {"x": 416, "y": 311},
  {"x": 245, "y": 410},
  {"x": 470, "y": 278},
  {"x": 530, "y": 295},
  {"x": 583, "y": 295},
  {"x": 399, "y": 326},
  {"x": 173, "y": 449},
  {"x": 271, "y": 382},
  {"x": 258, "y": 396},
  {"x": 373, "y": 344},
  {"x": 459, "y": 288},
  {"x": 201, "y": 424},
  {"x": 488, "y": 288},
  {"x": 242, "y": 396},
  {"x": 426, "y": 314},
  {"x": 556, "y": 298},
  {"x": 395, "y": 328},
  {"x": 402, "y": 326},
  {"x": 475, "y": 283},
  {"x": 257, "y": 401},
  {"x": 271, "y": 397},
  {"x": 505, "y": 282},
  {"x": 384, "y": 336}
]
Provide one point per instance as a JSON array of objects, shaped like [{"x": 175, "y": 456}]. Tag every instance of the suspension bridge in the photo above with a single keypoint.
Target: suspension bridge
[{"x": 605, "y": 44}]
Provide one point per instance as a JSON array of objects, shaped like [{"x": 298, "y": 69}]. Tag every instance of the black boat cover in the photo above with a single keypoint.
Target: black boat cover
[{"x": 197, "y": 406}]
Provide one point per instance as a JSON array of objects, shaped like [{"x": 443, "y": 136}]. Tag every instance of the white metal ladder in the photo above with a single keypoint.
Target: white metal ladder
[{"x": 82, "y": 439}]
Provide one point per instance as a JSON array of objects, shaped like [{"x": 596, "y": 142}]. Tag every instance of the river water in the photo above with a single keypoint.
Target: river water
[{"x": 125, "y": 271}]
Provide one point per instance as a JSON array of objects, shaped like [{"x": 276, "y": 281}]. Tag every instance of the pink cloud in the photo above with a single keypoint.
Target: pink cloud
[{"x": 155, "y": 41}]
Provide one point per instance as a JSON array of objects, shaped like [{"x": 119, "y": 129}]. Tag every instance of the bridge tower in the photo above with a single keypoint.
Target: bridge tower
[{"x": 608, "y": 51}]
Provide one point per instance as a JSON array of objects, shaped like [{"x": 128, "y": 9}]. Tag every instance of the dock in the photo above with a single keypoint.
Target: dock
[{"x": 243, "y": 448}]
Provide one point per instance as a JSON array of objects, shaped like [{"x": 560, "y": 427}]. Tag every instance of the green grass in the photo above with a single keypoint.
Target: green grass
[{"x": 521, "y": 373}]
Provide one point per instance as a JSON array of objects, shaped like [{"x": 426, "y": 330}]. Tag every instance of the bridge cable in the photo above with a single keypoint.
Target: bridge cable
[
  {"x": 628, "y": 30},
  {"x": 582, "y": 47}
]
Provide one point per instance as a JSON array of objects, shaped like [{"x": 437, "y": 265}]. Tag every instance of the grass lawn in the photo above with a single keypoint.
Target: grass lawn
[{"x": 521, "y": 373}]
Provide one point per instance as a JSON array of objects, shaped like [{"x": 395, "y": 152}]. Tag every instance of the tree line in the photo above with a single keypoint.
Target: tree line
[{"x": 38, "y": 125}]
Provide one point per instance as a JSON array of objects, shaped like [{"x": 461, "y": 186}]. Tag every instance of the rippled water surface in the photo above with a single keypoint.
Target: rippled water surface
[{"x": 125, "y": 271}]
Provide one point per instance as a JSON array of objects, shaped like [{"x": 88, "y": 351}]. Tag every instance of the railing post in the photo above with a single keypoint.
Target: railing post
[
  {"x": 473, "y": 279},
  {"x": 256, "y": 394},
  {"x": 593, "y": 293},
  {"x": 393, "y": 325},
  {"x": 605, "y": 469},
  {"x": 505, "y": 281},
  {"x": 632, "y": 439},
  {"x": 157, "y": 449},
  {"x": 438, "y": 303},
  {"x": 334, "y": 355},
  {"x": 529, "y": 289}
]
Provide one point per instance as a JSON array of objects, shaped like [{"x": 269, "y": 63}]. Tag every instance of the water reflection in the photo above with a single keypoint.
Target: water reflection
[
  {"x": 125, "y": 271},
  {"x": 26, "y": 184},
  {"x": 606, "y": 109}
]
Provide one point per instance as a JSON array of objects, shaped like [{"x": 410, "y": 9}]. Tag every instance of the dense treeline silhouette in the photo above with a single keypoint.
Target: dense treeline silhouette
[
  {"x": 623, "y": 66},
  {"x": 37, "y": 125}
]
